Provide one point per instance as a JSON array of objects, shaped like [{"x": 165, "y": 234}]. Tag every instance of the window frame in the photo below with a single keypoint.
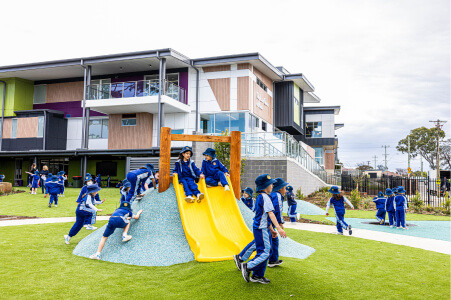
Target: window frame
[
  {"x": 102, "y": 125},
  {"x": 261, "y": 84},
  {"x": 314, "y": 125},
  {"x": 14, "y": 136},
  {"x": 34, "y": 93},
  {"x": 43, "y": 127}
]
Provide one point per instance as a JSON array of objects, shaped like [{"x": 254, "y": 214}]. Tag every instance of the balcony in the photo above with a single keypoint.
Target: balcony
[{"x": 136, "y": 96}]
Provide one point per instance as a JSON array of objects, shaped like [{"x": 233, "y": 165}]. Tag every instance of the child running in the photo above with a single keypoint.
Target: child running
[
  {"x": 214, "y": 171},
  {"x": 390, "y": 207},
  {"x": 119, "y": 219},
  {"x": 292, "y": 204},
  {"x": 247, "y": 198},
  {"x": 401, "y": 208},
  {"x": 53, "y": 188},
  {"x": 188, "y": 173},
  {"x": 35, "y": 184},
  {"x": 380, "y": 206},
  {"x": 264, "y": 216},
  {"x": 338, "y": 201},
  {"x": 84, "y": 211},
  {"x": 61, "y": 179}
]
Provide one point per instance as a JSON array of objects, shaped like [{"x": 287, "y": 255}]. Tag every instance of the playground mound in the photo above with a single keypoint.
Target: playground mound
[
  {"x": 305, "y": 208},
  {"x": 159, "y": 238}
]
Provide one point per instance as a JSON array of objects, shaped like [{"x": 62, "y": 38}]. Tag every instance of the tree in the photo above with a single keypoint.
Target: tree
[
  {"x": 380, "y": 167},
  {"x": 223, "y": 153},
  {"x": 445, "y": 154},
  {"x": 363, "y": 167},
  {"x": 423, "y": 141},
  {"x": 401, "y": 171},
  {"x": 419, "y": 174}
]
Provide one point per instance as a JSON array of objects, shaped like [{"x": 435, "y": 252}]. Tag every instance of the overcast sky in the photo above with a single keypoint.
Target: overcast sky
[{"x": 385, "y": 62}]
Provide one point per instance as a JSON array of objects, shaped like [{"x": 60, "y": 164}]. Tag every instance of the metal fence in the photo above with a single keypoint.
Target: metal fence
[{"x": 431, "y": 193}]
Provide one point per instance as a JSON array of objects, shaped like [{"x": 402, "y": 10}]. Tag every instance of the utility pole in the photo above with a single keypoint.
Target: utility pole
[
  {"x": 421, "y": 159},
  {"x": 438, "y": 125},
  {"x": 408, "y": 151},
  {"x": 385, "y": 155},
  {"x": 375, "y": 161},
  {"x": 368, "y": 163}
]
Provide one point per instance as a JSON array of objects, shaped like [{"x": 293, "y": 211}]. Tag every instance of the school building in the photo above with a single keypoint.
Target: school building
[{"x": 102, "y": 114}]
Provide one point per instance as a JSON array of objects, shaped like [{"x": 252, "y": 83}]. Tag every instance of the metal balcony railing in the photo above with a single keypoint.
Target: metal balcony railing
[{"x": 130, "y": 89}]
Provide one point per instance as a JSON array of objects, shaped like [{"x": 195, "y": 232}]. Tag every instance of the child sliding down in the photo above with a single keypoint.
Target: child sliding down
[
  {"x": 214, "y": 171},
  {"x": 188, "y": 173},
  {"x": 119, "y": 219}
]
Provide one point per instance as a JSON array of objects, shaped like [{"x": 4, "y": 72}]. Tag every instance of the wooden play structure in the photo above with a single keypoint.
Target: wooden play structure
[{"x": 165, "y": 155}]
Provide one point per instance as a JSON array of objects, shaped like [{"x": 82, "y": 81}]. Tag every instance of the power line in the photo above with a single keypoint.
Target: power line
[
  {"x": 385, "y": 155},
  {"x": 438, "y": 125},
  {"x": 375, "y": 161}
]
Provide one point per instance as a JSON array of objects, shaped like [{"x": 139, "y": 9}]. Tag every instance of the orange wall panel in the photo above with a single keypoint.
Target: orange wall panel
[
  {"x": 7, "y": 124},
  {"x": 130, "y": 137},
  {"x": 260, "y": 108},
  {"x": 221, "y": 90},
  {"x": 243, "y": 90},
  {"x": 27, "y": 127},
  {"x": 329, "y": 162},
  {"x": 216, "y": 68},
  {"x": 244, "y": 66},
  {"x": 64, "y": 92},
  {"x": 266, "y": 80}
]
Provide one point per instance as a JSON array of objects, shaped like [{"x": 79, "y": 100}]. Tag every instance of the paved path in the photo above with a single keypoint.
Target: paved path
[
  {"x": 398, "y": 239},
  {"x": 44, "y": 221}
]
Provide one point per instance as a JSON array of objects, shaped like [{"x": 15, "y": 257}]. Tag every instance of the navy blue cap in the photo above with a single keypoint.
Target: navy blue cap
[
  {"x": 187, "y": 148},
  {"x": 334, "y": 190},
  {"x": 401, "y": 189},
  {"x": 210, "y": 152},
  {"x": 150, "y": 167},
  {"x": 388, "y": 192},
  {"x": 249, "y": 191},
  {"x": 263, "y": 181},
  {"x": 54, "y": 178},
  {"x": 290, "y": 188},
  {"x": 126, "y": 205},
  {"x": 127, "y": 184},
  {"x": 93, "y": 188},
  {"x": 280, "y": 184},
  {"x": 380, "y": 194}
]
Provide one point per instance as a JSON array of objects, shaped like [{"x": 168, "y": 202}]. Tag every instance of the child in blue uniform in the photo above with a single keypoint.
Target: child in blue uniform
[
  {"x": 278, "y": 192},
  {"x": 119, "y": 219},
  {"x": 61, "y": 179},
  {"x": 99, "y": 180},
  {"x": 2, "y": 177},
  {"x": 136, "y": 178},
  {"x": 88, "y": 223},
  {"x": 84, "y": 211},
  {"x": 188, "y": 173},
  {"x": 292, "y": 204},
  {"x": 148, "y": 184},
  {"x": 247, "y": 198},
  {"x": 264, "y": 216},
  {"x": 53, "y": 188},
  {"x": 125, "y": 189},
  {"x": 35, "y": 184},
  {"x": 390, "y": 207},
  {"x": 338, "y": 201},
  {"x": 401, "y": 208},
  {"x": 380, "y": 206},
  {"x": 215, "y": 172}
]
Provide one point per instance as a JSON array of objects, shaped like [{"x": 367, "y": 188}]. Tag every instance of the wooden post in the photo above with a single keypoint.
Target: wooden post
[
  {"x": 165, "y": 159},
  {"x": 235, "y": 162}
]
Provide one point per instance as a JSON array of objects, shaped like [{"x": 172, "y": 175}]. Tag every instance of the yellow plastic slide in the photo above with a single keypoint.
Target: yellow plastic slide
[{"x": 214, "y": 228}]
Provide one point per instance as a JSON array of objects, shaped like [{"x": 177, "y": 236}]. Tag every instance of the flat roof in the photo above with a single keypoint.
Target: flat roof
[
  {"x": 335, "y": 108},
  {"x": 301, "y": 81}
]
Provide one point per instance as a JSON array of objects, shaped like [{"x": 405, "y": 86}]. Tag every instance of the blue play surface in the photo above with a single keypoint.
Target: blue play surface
[
  {"x": 305, "y": 208},
  {"x": 438, "y": 230}
]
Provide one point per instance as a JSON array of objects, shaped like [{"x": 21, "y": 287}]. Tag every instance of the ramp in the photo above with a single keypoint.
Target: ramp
[{"x": 215, "y": 228}]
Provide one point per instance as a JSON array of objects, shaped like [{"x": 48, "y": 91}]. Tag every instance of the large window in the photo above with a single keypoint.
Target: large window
[
  {"x": 14, "y": 129},
  {"x": 128, "y": 120},
  {"x": 313, "y": 129},
  {"x": 39, "y": 94},
  {"x": 40, "y": 127},
  {"x": 98, "y": 129},
  {"x": 319, "y": 155},
  {"x": 217, "y": 123}
]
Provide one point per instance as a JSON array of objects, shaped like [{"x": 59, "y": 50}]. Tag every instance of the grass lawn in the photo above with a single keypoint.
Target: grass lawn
[
  {"x": 24, "y": 204},
  {"x": 35, "y": 263}
]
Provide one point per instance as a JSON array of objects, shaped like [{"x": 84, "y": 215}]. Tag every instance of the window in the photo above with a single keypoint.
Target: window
[
  {"x": 40, "y": 127},
  {"x": 262, "y": 85},
  {"x": 217, "y": 123},
  {"x": 319, "y": 155},
  {"x": 14, "y": 129},
  {"x": 129, "y": 120},
  {"x": 98, "y": 129},
  {"x": 313, "y": 129},
  {"x": 257, "y": 122},
  {"x": 237, "y": 122},
  {"x": 100, "y": 89},
  {"x": 264, "y": 126},
  {"x": 39, "y": 94}
]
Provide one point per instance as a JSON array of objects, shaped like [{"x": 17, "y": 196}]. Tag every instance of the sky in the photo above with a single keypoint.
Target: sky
[{"x": 385, "y": 62}]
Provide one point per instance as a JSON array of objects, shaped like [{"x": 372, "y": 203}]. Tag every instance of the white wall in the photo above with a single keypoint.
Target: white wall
[
  {"x": 74, "y": 130},
  {"x": 328, "y": 123},
  {"x": 175, "y": 121}
]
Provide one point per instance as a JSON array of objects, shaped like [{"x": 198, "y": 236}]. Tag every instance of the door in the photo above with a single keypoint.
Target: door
[{"x": 18, "y": 172}]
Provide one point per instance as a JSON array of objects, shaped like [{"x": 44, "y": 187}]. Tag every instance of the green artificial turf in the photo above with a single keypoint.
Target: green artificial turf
[
  {"x": 35, "y": 263},
  {"x": 24, "y": 204}
]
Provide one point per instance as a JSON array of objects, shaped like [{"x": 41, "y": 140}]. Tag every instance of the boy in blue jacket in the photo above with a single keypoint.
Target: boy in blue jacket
[
  {"x": 247, "y": 198},
  {"x": 401, "y": 208},
  {"x": 215, "y": 172},
  {"x": 35, "y": 184},
  {"x": 390, "y": 207},
  {"x": 338, "y": 202},
  {"x": 53, "y": 188},
  {"x": 380, "y": 206},
  {"x": 188, "y": 173},
  {"x": 264, "y": 218},
  {"x": 292, "y": 204}
]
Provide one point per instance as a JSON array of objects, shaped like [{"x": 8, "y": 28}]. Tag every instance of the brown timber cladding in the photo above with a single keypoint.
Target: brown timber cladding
[
  {"x": 7, "y": 124},
  {"x": 130, "y": 137},
  {"x": 266, "y": 80},
  {"x": 244, "y": 66},
  {"x": 221, "y": 90},
  {"x": 243, "y": 90},
  {"x": 64, "y": 92},
  {"x": 216, "y": 68},
  {"x": 266, "y": 112},
  {"x": 27, "y": 127}
]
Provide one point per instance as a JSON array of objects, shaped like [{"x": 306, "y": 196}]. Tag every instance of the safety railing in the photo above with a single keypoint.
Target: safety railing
[{"x": 130, "y": 89}]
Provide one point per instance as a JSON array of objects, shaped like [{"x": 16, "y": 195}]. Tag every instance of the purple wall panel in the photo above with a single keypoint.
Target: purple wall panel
[
  {"x": 183, "y": 81},
  {"x": 72, "y": 108}
]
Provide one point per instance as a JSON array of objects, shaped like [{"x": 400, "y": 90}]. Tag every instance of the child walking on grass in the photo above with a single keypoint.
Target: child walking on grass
[
  {"x": 53, "y": 188},
  {"x": 247, "y": 198},
  {"x": 119, "y": 219},
  {"x": 264, "y": 217},
  {"x": 292, "y": 204},
  {"x": 188, "y": 173},
  {"x": 390, "y": 207},
  {"x": 35, "y": 184},
  {"x": 380, "y": 205},
  {"x": 401, "y": 208},
  {"x": 338, "y": 202},
  {"x": 215, "y": 172}
]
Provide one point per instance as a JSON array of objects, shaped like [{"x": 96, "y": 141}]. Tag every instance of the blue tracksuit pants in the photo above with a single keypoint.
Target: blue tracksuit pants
[
  {"x": 42, "y": 185},
  {"x": 53, "y": 197},
  {"x": 391, "y": 217},
  {"x": 263, "y": 246},
  {"x": 81, "y": 216},
  {"x": 247, "y": 251},
  {"x": 213, "y": 180},
  {"x": 341, "y": 222},
  {"x": 134, "y": 188},
  {"x": 380, "y": 215},
  {"x": 292, "y": 212},
  {"x": 189, "y": 186},
  {"x": 400, "y": 218},
  {"x": 274, "y": 253}
]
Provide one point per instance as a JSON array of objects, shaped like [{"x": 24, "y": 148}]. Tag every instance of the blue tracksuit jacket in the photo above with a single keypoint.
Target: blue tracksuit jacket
[
  {"x": 380, "y": 202},
  {"x": 186, "y": 169}
]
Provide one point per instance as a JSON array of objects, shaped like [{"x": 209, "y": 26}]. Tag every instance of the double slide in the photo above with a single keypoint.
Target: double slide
[{"x": 214, "y": 228}]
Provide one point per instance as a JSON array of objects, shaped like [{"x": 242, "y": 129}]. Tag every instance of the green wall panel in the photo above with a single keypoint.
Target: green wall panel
[
  {"x": 296, "y": 105},
  {"x": 19, "y": 95}
]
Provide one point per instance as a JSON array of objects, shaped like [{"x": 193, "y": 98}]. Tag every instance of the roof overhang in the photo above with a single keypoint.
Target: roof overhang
[
  {"x": 338, "y": 126},
  {"x": 101, "y": 65},
  {"x": 336, "y": 109},
  {"x": 301, "y": 81},
  {"x": 256, "y": 59},
  {"x": 310, "y": 97}
]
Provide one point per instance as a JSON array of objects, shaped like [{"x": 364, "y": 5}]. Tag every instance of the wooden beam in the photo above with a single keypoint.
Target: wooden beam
[
  {"x": 235, "y": 162},
  {"x": 165, "y": 159},
  {"x": 200, "y": 138}
]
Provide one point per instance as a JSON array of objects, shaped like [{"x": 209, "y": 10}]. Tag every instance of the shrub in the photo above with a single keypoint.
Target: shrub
[
  {"x": 447, "y": 204},
  {"x": 416, "y": 203},
  {"x": 324, "y": 189},
  {"x": 223, "y": 153},
  {"x": 355, "y": 198},
  {"x": 299, "y": 194},
  {"x": 366, "y": 202}
]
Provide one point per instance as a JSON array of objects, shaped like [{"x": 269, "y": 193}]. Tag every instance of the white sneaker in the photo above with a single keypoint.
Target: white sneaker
[
  {"x": 226, "y": 188},
  {"x": 66, "y": 239},
  {"x": 339, "y": 233},
  {"x": 219, "y": 183},
  {"x": 200, "y": 197},
  {"x": 126, "y": 238},
  {"x": 391, "y": 226},
  {"x": 95, "y": 256},
  {"x": 90, "y": 227},
  {"x": 56, "y": 205}
]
